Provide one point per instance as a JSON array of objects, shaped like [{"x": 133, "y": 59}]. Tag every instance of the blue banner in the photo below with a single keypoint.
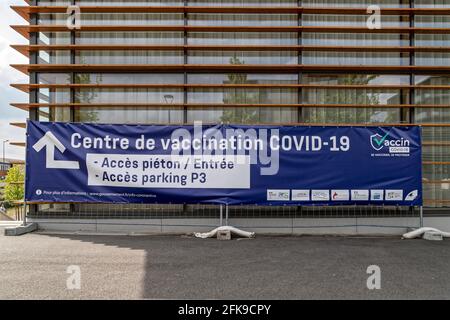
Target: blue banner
[{"x": 223, "y": 164}]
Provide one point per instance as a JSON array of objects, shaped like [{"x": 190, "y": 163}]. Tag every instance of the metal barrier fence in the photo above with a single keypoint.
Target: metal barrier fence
[{"x": 152, "y": 211}]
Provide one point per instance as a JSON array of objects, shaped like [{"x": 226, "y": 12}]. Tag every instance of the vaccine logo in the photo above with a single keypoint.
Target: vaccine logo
[
  {"x": 383, "y": 142},
  {"x": 377, "y": 141}
]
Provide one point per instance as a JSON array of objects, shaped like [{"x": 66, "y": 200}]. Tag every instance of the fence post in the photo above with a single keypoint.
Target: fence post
[
  {"x": 226, "y": 214},
  {"x": 421, "y": 216},
  {"x": 24, "y": 213},
  {"x": 221, "y": 215}
]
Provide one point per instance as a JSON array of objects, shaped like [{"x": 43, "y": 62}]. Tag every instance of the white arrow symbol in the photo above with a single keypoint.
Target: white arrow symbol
[{"x": 50, "y": 141}]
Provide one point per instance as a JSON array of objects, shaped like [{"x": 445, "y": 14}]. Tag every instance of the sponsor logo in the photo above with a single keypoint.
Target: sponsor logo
[
  {"x": 360, "y": 195},
  {"x": 38, "y": 192},
  {"x": 380, "y": 142},
  {"x": 376, "y": 195},
  {"x": 412, "y": 195},
  {"x": 320, "y": 195},
  {"x": 340, "y": 195},
  {"x": 278, "y": 195},
  {"x": 394, "y": 195},
  {"x": 300, "y": 195}
]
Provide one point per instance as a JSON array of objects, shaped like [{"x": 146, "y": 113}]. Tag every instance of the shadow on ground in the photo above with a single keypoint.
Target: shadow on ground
[{"x": 181, "y": 267}]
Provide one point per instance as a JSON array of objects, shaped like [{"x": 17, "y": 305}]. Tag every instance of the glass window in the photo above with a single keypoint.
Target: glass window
[
  {"x": 430, "y": 134},
  {"x": 129, "y": 78},
  {"x": 433, "y": 172},
  {"x": 356, "y": 3},
  {"x": 352, "y": 20},
  {"x": 431, "y": 4},
  {"x": 355, "y": 39},
  {"x": 243, "y": 96},
  {"x": 57, "y": 114},
  {"x": 432, "y": 58},
  {"x": 432, "y": 21},
  {"x": 117, "y": 3},
  {"x": 355, "y": 79},
  {"x": 244, "y": 3},
  {"x": 262, "y": 20},
  {"x": 129, "y": 115},
  {"x": 53, "y": 57},
  {"x": 429, "y": 80},
  {"x": 130, "y": 38},
  {"x": 46, "y": 95},
  {"x": 436, "y": 151},
  {"x": 161, "y": 96},
  {"x": 438, "y": 193},
  {"x": 48, "y": 38},
  {"x": 53, "y": 78},
  {"x": 351, "y": 115},
  {"x": 129, "y": 57},
  {"x": 242, "y": 57},
  {"x": 43, "y": 114},
  {"x": 54, "y": 2},
  {"x": 242, "y": 78},
  {"x": 432, "y": 96},
  {"x": 365, "y": 96},
  {"x": 242, "y": 38},
  {"x": 243, "y": 115},
  {"x": 432, "y": 115},
  {"x": 355, "y": 58},
  {"x": 111, "y": 19},
  {"x": 432, "y": 40},
  {"x": 60, "y": 114}
]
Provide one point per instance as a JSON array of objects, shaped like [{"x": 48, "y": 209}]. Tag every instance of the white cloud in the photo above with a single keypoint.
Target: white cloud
[
  {"x": 8, "y": 37},
  {"x": 9, "y": 75}
]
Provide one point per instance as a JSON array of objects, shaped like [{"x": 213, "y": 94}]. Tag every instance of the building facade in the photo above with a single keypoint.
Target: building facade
[
  {"x": 243, "y": 61},
  {"x": 4, "y": 167}
]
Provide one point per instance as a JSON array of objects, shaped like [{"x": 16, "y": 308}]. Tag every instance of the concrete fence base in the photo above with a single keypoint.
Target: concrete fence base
[
  {"x": 20, "y": 230},
  {"x": 288, "y": 226}
]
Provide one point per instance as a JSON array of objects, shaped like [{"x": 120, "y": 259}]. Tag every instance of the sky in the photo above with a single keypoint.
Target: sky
[{"x": 9, "y": 75}]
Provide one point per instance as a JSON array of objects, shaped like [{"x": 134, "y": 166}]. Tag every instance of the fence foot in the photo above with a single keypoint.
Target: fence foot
[{"x": 20, "y": 230}]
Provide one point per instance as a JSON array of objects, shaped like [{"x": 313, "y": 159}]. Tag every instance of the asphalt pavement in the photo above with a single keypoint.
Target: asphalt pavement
[{"x": 38, "y": 266}]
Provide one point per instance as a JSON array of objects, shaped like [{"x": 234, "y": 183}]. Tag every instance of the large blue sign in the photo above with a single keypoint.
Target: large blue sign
[{"x": 226, "y": 164}]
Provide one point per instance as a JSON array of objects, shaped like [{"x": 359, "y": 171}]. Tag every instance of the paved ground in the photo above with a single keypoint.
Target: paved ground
[{"x": 35, "y": 265}]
